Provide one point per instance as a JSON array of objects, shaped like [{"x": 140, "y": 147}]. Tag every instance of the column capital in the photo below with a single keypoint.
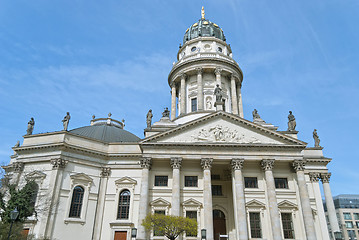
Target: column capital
[
  {"x": 314, "y": 176},
  {"x": 199, "y": 70},
  {"x": 237, "y": 164},
  {"x": 206, "y": 163},
  {"x": 59, "y": 163},
  {"x": 183, "y": 75},
  {"x": 18, "y": 166},
  {"x": 325, "y": 177},
  {"x": 146, "y": 162},
  {"x": 173, "y": 84},
  {"x": 105, "y": 171},
  {"x": 298, "y": 165},
  {"x": 267, "y": 164},
  {"x": 234, "y": 76},
  {"x": 218, "y": 71},
  {"x": 176, "y": 162}
]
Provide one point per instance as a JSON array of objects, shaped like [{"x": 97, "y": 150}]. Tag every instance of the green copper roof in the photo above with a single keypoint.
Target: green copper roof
[{"x": 203, "y": 28}]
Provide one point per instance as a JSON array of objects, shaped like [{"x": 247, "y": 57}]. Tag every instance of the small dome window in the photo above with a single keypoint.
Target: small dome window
[
  {"x": 219, "y": 49},
  {"x": 193, "y": 49}
]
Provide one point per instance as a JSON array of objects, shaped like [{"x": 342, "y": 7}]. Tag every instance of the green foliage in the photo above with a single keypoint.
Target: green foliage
[
  {"x": 170, "y": 226},
  {"x": 23, "y": 200},
  {"x": 16, "y": 231}
]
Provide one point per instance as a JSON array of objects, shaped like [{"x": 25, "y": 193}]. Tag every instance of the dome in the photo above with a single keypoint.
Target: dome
[
  {"x": 203, "y": 28},
  {"x": 106, "y": 132}
]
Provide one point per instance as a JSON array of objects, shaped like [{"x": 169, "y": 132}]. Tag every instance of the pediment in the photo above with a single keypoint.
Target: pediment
[
  {"x": 192, "y": 202},
  {"x": 255, "y": 204},
  {"x": 81, "y": 177},
  {"x": 160, "y": 202},
  {"x": 35, "y": 175},
  {"x": 287, "y": 204},
  {"x": 223, "y": 128},
  {"x": 126, "y": 181}
]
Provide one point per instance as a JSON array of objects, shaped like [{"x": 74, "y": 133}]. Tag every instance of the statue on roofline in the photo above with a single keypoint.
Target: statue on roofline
[{"x": 30, "y": 126}]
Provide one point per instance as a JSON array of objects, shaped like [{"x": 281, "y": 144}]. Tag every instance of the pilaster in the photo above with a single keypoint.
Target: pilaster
[
  {"x": 183, "y": 94},
  {"x": 200, "y": 89}
]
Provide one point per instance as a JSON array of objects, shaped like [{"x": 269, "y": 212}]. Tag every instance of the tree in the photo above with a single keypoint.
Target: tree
[{"x": 170, "y": 226}]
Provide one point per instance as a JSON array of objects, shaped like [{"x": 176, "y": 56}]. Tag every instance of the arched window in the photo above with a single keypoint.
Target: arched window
[
  {"x": 124, "y": 205},
  {"x": 76, "y": 202}
]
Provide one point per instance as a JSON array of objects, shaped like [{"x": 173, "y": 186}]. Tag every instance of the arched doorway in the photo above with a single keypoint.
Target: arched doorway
[{"x": 219, "y": 224}]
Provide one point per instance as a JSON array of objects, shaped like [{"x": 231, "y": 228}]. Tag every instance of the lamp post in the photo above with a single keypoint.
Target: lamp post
[
  {"x": 133, "y": 232},
  {"x": 13, "y": 215},
  {"x": 338, "y": 235},
  {"x": 204, "y": 234}
]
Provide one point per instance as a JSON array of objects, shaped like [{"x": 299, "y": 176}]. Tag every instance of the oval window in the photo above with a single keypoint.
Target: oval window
[
  {"x": 220, "y": 49},
  {"x": 193, "y": 49}
]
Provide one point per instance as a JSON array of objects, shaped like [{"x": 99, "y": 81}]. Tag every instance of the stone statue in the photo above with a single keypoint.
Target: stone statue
[
  {"x": 166, "y": 113},
  {"x": 316, "y": 138},
  {"x": 109, "y": 114},
  {"x": 66, "y": 121},
  {"x": 218, "y": 93},
  {"x": 149, "y": 118},
  {"x": 17, "y": 144},
  {"x": 30, "y": 126},
  {"x": 255, "y": 114},
  {"x": 93, "y": 117},
  {"x": 291, "y": 122},
  {"x": 209, "y": 103}
]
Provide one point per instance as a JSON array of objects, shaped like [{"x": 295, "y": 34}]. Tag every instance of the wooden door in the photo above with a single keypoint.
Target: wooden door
[
  {"x": 219, "y": 224},
  {"x": 120, "y": 235},
  {"x": 25, "y": 232}
]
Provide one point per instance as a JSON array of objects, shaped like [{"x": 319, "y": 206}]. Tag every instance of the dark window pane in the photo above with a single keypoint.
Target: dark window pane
[
  {"x": 194, "y": 104},
  {"x": 287, "y": 223},
  {"x": 217, "y": 190},
  {"x": 76, "y": 202},
  {"x": 191, "y": 181},
  {"x": 124, "y": 205},
  {"x": 216, "y": 177},
  {"x": 161, "y": 181},
  {"x": 192, "y": 215},
  {"x": 250, "y": 182},
  {"x": 255, "y": 224},
  {"x": 281, "y": 183}
]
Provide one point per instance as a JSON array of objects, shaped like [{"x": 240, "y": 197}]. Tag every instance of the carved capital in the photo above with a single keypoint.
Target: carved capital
[
  {"x": 18, "y": 166},
  {"x": 237, "y": 164},
  {"x": 58, "y": 163},
  {"x": 299, "y": 165},
  {"x": 146, "y": 162},
  {"x": 206, "y": 163},
  {"x": 218, "y": 71},
  {"x": 183, "y": 75},
  {"x": 176, "y": 162},
  {"x": 199, "y": 70},
  {"x": 325, "y": 177},
  {"x": 105, "y": 171},
  {"x": 234, "y": 76},
  {"x": 314, "y": 176},
  {"x": 267, "y": 164}
]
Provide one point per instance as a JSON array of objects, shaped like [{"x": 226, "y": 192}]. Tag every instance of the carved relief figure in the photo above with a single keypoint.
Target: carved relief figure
[
  {"x": 291, "y": 122},
  {"x": 66, "y": 121},
  {"x": 30, "y": 126},
  {"x": 149, "y": 118},
  {"x": 316, "y": 138}
]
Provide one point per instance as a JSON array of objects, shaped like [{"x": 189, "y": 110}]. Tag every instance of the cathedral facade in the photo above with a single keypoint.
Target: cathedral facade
[{"x": 239, "y": 178}]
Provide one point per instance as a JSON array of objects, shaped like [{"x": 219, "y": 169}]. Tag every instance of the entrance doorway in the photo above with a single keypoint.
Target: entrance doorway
[
  {"x": 219, "y": 224},
  {"x": 120, "y": 235}
]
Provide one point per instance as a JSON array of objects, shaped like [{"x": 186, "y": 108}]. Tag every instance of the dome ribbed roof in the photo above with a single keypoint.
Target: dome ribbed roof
[
  {"x": 203, "y": 28},
  {"x": 106, "y": 133}
]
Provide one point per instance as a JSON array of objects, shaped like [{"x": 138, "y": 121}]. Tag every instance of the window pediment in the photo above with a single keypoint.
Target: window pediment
[
  {"x": 285, "y": 204},
  {"x": 35, "y": 175},
  {"x": 255, "y": 204},
  {"x": 192, "y": 203},
  {"x": 81, "y": 178},
  {"x": 125, "y": 182},
  {"x": 160, "y": 202}
]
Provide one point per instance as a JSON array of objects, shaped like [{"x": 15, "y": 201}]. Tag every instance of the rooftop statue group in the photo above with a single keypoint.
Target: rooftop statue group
[{"x": 31, "y": 124}]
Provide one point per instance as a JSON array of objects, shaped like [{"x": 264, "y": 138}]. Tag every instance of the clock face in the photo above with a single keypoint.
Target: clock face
[{"x": 193, "y": 49}]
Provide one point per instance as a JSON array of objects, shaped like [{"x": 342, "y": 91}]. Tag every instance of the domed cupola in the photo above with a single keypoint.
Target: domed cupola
[{"x": 203, "y": 28}]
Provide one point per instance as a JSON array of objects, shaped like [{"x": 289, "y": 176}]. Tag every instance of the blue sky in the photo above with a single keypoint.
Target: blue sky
[{"x": 95, "y": 57}]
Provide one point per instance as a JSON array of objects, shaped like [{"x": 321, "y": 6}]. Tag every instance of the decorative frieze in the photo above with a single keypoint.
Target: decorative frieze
[
  {"x": 146, "y": 162},
  {"x": 267, "y": 164},
  {"x": 237, "y": 164},
  {"x": 105, "y": 171},
  {"x": 176, "y": 162},
  {"x": 58, "y": 163},
  {"x": 314, "y": 176},
  {"x": 206, "y": 163},
  {"x": 18, "y": 166},
  {"x": 299, "y": 165},
  {"x": 325, "y": 177}
]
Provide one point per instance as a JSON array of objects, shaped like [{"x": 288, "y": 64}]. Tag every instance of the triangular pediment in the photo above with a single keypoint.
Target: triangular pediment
[
  {"x": 192, "y": 202},
  {"x": 255, "y": 204},
  {"x": 81, "y": 177},
  {"x": 160, "y": 202},
  {"x": 125, "y": 181},
  {"x": 287, "y": 204},
  {"x": 35, "y": 175},
  {"x": 223, "y": 128}
]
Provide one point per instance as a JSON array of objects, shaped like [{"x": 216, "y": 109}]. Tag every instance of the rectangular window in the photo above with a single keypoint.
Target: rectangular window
[
  {"x": 347, "y": 216},
  {"x": 348, "y": 224},
  {"x": 281, "y": 183},
  {"x": 191, "y": 181},
  {"x": 157, "y": 232},
  {"x": 357, "y": 223},
  {"x": 351, "y": 234},
  {"x": 192, "y": 215},
  {"x": 194, "y": 104},
  {"x": 287, "y": 223},
  {"x": 215, "y": 177},
  {"x": 161, "y": 181},
  {"x": 217, "y": 190},
  {"x": 250, "y": 182},
  {"x": 255, "y": 224},
  {"x": 356, "y": 216}
]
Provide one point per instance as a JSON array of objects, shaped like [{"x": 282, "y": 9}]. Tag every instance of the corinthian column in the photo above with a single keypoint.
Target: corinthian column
[
  {"x": 143, "y": 209},
  {"x": 105, "y": 173},
  {"x": 206, "y": 164},
  {"x": 267, "y": 166},
  {"x": 176, "y": 165},
  {"x": 298, "y": 166},
  {"x": 333, "y": 221},
  {"x": 199, "y": 88},
  {"x": 239, "y": 200},
  {"x": 240, "y": 104},
  {"x": 314, "y": 178},
  {"x": 183, "y": 94},
  {"x": 234, "y": 95},
  {"x": 218, "y": 72},
  {"x": 173, "y": 101}
]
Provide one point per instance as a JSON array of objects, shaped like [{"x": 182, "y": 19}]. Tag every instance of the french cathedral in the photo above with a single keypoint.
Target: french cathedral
[{"x": 239, "y": 178}]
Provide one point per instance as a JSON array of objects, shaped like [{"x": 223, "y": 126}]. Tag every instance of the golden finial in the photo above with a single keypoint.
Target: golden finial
[{"x": 202, "y": 12}]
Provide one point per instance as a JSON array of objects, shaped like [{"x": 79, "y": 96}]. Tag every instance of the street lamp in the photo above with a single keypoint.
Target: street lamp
[
  {"x": 204, "y": 233},
  {"x": 13, "y": 215},
  {"x": 338, "y": 235},
  {"x": 133, "y": 232}
]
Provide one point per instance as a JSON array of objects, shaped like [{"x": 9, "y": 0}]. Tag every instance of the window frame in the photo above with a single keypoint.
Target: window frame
[
  {"x": 347, "y": 214},
  {"x": 161, "y": 176},
  {"x": 194, "y": 104},
  {"x": 122, "y": 199},
  {"x": 291, "y": 230},
  {"x": 257, "y": 222},
  {"x": 124, "y": 183},
  {"x": 247, "y": 178},
  {"x": 219, "y": 190},
  {"x": 277, "y": 186},
  {"x": 193, "y": 176},
  {"x": 76, "y": 200}
]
